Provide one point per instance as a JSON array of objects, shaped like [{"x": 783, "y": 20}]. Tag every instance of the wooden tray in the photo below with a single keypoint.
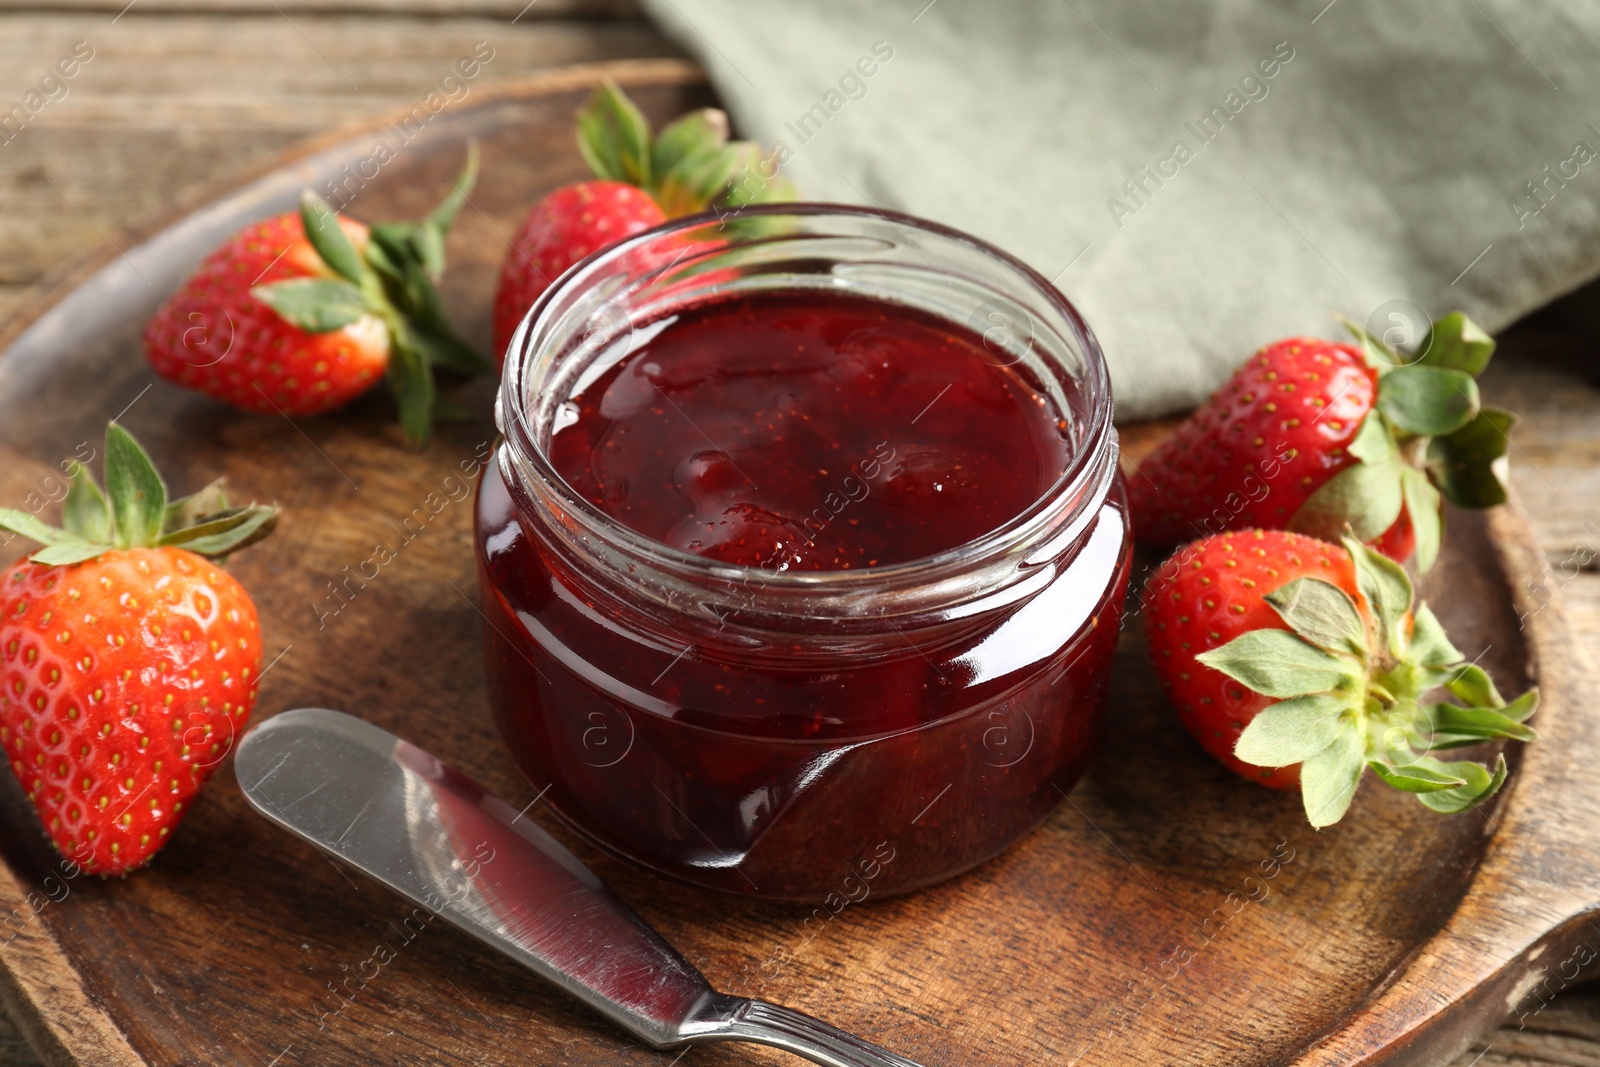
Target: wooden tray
[{"x": 1169, "y": 913}]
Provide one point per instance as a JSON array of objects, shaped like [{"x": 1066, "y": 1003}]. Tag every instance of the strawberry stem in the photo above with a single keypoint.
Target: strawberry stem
[
  {"x": 1428, "y": 439},
  {"x": 687, "y": 168},
  {"x": 1350, "y": 703},
  {"x": 392, "y": 278},
  {"x": 134, "y": 513}
]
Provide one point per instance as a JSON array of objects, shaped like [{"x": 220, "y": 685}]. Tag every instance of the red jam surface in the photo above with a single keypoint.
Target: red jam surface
[
  {"x": 815, "y": 432},
  {"x": 802, "y": 432}
]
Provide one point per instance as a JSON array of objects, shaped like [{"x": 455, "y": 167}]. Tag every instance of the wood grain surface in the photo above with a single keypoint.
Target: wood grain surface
[
  {"x": 102, "y": 161},
  {"x": 171, "y": 103}
]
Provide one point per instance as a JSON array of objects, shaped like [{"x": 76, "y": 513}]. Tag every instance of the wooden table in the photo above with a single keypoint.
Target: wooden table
[{"x": 183, "y": 94}]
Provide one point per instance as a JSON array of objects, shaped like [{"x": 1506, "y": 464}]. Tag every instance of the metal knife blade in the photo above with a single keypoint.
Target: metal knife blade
[{"x": 437, "y": 838}]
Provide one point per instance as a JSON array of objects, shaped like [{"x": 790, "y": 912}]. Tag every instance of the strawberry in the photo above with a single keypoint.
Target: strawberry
[
  {"x": 1311, "y": 436},
  {"x": 563, "y": 228},
  {"x": 128, "y": 659},
  {"x": 1297, "y": 663},
  {"x": 642, "y": 180},
  {"x": 301, "y": 313}
]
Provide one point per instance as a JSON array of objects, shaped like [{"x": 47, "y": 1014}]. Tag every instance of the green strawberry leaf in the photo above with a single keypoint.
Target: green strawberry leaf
[
  {"x": 614, "y": 137},
  {"x": 389, "y": 250},
  {"x": 413, "y": 292},
  {"x": 1277, "y": 663},
  {"x": 441, "y": 218},
  {"x": 427, "y": 327},
  {"x": 411, "y": 379},
  {"x": 422, "y": 242},
  {"x": 386, "y": 264},
  {"x": 394, "y": 245},
  {"x": 405, "y": 283},
  {"x": 1429, "y": 644},
  {"x": 1477, "y": 723},
  {"x": 694, "y": 134},
  {"x": 1422, "y": 505},
  {"x": 1446, "y": 742},
  {"x": 1428, "y": 400},
  {"x": 134, "y": 512},
  {"x": 1464, "y": 462},
  {"x": 1374, "y": 444},
  {"x": 755, "y": 181},
  {"x": 85, "y": 513},
  {"x": 138, "y": 495},
  {"x": 227, "y": 532},
  {"x": 1345, "y": 710},
  {"x": 1480, "y": 786},
  {"x": 1384, "y": 584},
  {"x": 70, "y": 550},
  {"x": 322, "y": 229},
  {"x": 449, "y": 353},
  {"x": 215, "y": 523},
  {"x": 1366, "y": 495},
  {"x": 20, "y": 522},
  {"x": 1520, "y": 709},
  {"x": 1457, "y": 343},
  {"x": 1421, "y": 776},
  {"x": 1294, "y": 730},
  {"x": 1380, "y": 356},
  {"x": 1328, "y": 779},
  {"x": 1322, "y": 613},
  {"x": 315, "y": 305},
  {"x": 1473, "y": 686},
  {"x": 403, "y": 278},
  {"x": 687, "y": 167},
  {"x": 189, "y": 510},
  {"x": 395, "y": 282},
  {"x": 1451, "y": 726},
  {"x": 1455, "y": 726},
  {"x": 697, "y": 181},
  {"x": 427, "y": 244}
]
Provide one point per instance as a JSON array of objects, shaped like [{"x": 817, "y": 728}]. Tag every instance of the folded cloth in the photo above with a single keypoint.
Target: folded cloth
[{"x": 1199, "y": 176}]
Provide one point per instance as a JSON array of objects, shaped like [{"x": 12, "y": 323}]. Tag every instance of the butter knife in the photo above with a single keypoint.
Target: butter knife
[{"x": 400, "y": 816}]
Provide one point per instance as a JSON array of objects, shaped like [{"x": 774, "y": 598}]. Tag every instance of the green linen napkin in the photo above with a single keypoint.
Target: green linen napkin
[{"x": 1199, "y": 176}]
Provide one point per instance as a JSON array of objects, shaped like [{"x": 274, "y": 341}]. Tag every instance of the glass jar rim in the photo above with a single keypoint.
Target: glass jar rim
[{"x": 1038, "y": 533}]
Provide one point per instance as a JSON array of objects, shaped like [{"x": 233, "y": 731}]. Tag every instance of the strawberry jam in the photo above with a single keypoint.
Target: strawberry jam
[
  {"x": 810, "y": 431},
  {"x": 791, "y": 589}
]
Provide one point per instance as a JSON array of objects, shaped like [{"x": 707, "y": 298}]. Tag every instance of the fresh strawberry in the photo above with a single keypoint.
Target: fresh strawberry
[
  {"x": 642, "y": 181},
  {"x": 1296, "y": 662},
  {"x": 301, "y": 313},
  {"x": 1312, "y": 436},
  {"x": 128, "y": 660},
  {"x": 562, "y": 229}
]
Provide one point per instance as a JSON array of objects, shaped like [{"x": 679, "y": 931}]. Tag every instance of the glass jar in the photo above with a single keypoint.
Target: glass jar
[{"x": 812, "y": 736}]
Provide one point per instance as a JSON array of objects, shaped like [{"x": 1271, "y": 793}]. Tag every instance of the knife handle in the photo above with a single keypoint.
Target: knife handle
[{"x": 794, "y": 1031}]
